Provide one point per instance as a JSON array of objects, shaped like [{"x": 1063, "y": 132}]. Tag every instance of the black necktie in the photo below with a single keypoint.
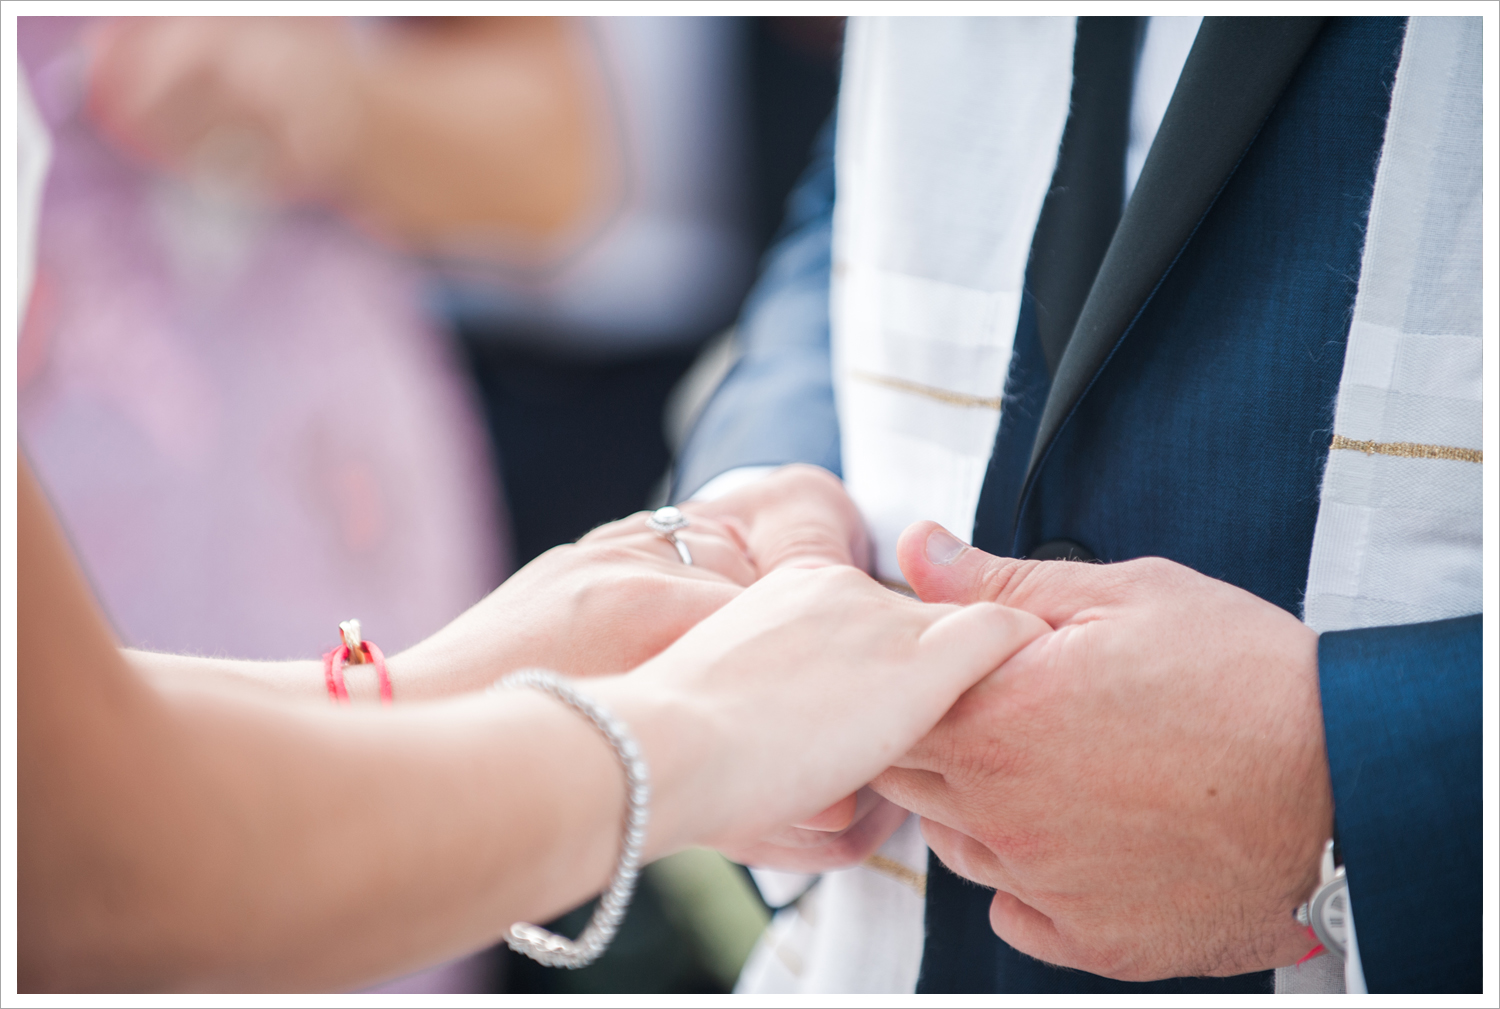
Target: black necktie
[
  {"x": 1087, "y": 195},
  {"x": 1078, "y": 220}
]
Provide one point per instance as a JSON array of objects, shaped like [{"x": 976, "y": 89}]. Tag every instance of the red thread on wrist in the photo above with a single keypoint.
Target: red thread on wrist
[
  {"x": 336, "y": 659},
  {"x": 333, "y": 673},
  {"x": 1315, "y": 951},
  {"x": 374, "y": 654}
]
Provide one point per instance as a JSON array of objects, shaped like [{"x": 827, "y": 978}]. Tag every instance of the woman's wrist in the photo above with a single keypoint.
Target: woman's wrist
[
  {"x": 680, "y": 750},
  {"x": 453, "y": 662}
]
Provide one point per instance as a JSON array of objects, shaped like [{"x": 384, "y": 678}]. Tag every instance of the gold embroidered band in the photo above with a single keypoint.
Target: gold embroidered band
[
  {"x": 1408, "y": 449},
  {"x": 931, "y": 392},
  {"x": 900, "y": 873}
]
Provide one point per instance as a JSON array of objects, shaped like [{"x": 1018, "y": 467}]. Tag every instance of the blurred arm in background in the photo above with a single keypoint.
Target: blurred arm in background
[
  {"x": 433, "y": 132},
  {"x": 776, "y": 405}
]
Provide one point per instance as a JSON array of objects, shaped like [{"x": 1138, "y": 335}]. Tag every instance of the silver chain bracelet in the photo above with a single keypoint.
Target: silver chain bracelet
[{"x": 549, "y": 948}]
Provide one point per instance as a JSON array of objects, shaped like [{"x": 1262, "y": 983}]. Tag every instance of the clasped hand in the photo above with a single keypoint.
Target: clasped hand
[
  {"x": 621, "y": 595},
  {"x": 1143, "y": 784}
]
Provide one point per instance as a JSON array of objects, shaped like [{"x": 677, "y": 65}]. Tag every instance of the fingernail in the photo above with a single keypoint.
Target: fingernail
[{"x": 943, "y": 547}]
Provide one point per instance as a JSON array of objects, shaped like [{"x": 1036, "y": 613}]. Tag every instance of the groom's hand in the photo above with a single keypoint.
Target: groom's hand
[
  {"x": 844, "y": 834},
  {"x": 798, "y": 516},
  {"x": 1146, "y": 787}
]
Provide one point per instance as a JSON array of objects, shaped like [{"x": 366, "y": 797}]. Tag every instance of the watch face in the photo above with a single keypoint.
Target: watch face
[{"x": 1329, "y": 912}]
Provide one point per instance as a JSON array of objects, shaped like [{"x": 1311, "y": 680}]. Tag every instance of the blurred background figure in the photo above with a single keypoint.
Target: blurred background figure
[
  {"x": 715, "y": 119},
  {"x": 244, "y": 408},
  {"x": 221, "y": 393},
  {"x": 575, "y": 356},
  {"x": 293, "y": 270}
]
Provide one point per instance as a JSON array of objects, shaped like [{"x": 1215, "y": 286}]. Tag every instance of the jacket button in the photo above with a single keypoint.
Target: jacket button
[{"x": 1060, "y": 550}]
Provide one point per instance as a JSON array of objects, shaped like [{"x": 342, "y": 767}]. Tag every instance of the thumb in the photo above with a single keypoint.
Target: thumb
[{"x": 941, "y": 568}]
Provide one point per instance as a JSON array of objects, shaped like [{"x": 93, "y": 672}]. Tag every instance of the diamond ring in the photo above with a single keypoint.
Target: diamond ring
[{"x": 665, "y": 522}]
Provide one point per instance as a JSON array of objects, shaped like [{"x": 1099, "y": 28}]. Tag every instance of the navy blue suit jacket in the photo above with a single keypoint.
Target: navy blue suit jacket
[{"x": 1190, "y": 418}]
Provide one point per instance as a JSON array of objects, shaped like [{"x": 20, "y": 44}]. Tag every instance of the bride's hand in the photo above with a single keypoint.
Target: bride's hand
[
  {"x": 801, "y": 516},
  {"x": 605, "y": 604},
  {"x": 841, "y": 835},
  {"x": 800, "y": 691}
]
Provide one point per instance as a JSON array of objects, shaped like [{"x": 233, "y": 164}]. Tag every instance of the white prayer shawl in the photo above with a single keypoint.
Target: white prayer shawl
[
  {"x": 948, "y": 134},
  {"x": 948, "y": 137}
]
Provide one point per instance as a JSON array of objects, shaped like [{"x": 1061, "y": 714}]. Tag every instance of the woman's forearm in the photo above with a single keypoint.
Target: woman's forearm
[
  {"x": 412, "y": 678},
  {"x": 244, "y": 842},
  {"x": 603, "y": 605},
  {"x": 412, "y": 835},
  {"x": 192, "y": 832}
]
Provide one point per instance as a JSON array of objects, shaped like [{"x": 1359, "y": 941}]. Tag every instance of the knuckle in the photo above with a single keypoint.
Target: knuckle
[
  {"x": 805, "y": 541},
  {"x": 1113, "y": 960},
  {"x": 800, "y": 480},
  {"x": 1154, "y": 565},
  {"x": 1149, "y": 571},
  {"x": 1007, "y": 578},
  {"x": 1015, "y": 847},
  {"x": 808, "y": 475},
  {"x": 839, "y": 575},
  {"x": 610, "y": 553}
]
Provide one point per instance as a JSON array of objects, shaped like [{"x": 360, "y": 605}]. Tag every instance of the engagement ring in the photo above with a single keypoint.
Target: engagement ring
[{"x": 665, "y": 522}]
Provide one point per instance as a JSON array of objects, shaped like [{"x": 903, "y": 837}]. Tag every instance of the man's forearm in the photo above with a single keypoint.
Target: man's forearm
[{"x": 776, "y": 405}]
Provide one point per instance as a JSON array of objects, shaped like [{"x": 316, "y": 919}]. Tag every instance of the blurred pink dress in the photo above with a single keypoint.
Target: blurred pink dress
[{"x": 246, "y": 423}]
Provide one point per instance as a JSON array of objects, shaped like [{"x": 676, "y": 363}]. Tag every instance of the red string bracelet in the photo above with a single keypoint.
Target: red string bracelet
[
  {"x": 354, "y": 651},
  {"x": 1317, "y": 950}
]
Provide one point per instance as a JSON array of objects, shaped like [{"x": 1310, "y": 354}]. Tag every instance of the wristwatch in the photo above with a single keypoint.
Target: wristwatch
[{"x": 1327, "y": 911}]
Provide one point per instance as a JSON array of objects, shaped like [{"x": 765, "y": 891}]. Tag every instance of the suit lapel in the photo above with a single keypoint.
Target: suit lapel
[{"x": 1237, "y": 69}]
